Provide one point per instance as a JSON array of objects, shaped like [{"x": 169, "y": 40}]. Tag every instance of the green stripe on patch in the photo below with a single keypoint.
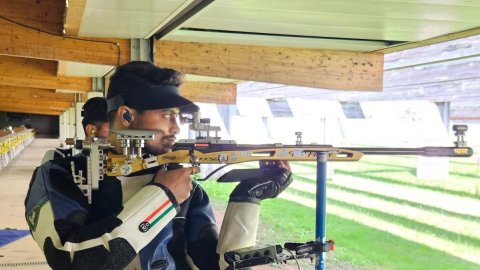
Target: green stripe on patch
[{"x": 161, "y": 216}]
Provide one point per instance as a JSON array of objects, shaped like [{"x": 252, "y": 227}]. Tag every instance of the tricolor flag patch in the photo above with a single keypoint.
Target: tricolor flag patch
[{"x": 156, "y": 216}]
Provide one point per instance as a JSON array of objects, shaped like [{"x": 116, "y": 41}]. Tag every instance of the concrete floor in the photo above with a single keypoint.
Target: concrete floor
[{"x": 14, "y": 180}]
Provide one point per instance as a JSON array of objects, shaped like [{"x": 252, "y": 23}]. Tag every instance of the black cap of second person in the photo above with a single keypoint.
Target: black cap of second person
[{"x": 95, "y": 110}]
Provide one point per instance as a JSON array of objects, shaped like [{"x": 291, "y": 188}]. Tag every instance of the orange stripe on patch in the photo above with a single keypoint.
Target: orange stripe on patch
[{"x": 158, "y": 210}]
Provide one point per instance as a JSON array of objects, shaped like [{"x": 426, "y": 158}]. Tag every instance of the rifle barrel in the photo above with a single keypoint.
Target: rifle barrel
[{"x": 429, "y": 151}]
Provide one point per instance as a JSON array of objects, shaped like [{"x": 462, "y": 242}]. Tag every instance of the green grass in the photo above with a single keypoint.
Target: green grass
[
  {"x": 391, "y": 217},
  {"x": 362, "y": 246},
  {"x": 332, "y": 184},
  {"x": 409, "y": 203},
  {"x": 463, "y": 180}
]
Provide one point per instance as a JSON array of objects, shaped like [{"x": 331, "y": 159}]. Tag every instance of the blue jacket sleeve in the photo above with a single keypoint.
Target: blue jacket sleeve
[{"x": 201, "y": 231}]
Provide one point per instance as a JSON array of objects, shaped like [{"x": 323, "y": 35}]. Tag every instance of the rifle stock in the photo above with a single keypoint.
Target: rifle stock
[{"x": 121, "y": 165}]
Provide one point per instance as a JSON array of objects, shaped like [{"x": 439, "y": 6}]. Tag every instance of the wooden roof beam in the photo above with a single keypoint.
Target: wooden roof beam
[
  {"x": 61, "y": 68},
  {"x": 24, "y": 72},
  {"x": 330, "y": 69},
  {"x": 46, "y": 15},
  {"x": 16, "y": 40},
  {"x": 209, "y": 92},
  {"x": 36, "y": 94},
  {"x": 30, "y": 111},
  {"x": 51, "y": 104},
  {"x": 9, "y": 107},
  {"x": 74, "y": 16}
]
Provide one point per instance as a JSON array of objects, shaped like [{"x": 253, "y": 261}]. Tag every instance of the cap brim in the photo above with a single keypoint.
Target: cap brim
[
  {"x": 154, "y": 100},
  {"x": 185, "y": 105}
]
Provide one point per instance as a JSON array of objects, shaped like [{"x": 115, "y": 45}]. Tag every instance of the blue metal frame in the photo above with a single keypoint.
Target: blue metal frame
[{"x": 320, "y": 210}]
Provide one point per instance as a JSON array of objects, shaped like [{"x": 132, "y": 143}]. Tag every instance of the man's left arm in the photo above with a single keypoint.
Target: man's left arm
[{"x": 240, "y": 223}]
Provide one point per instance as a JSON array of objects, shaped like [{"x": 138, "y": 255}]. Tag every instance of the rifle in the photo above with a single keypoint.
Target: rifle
[{"x": 213, "y": 150}]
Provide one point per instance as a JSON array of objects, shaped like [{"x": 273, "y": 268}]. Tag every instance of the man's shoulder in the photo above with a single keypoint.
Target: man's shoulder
[
  {"x": 58, "y": 175},
  {"x": 63, "y": 163},
  {"x": 57, "y": 153}
]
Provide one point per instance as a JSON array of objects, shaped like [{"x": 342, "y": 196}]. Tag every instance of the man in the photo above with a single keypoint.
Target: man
[
  {"x": 153, "y": 219},
  {"x": 95, "y": 119},
  {"x": 94, "y": 122}
]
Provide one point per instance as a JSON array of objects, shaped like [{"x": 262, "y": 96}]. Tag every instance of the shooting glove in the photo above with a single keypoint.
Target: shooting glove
[{"x": 260, "y": 184}]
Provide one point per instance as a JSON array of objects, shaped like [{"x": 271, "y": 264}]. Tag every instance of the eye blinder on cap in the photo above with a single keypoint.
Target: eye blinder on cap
[{"x": 115, "y": 102}]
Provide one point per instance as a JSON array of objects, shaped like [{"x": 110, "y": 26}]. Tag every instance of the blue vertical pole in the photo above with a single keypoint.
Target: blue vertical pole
[{"x": 320, "y": 210}]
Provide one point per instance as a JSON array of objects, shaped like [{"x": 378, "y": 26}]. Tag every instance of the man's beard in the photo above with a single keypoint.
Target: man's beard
[{"x": 158, "y": 148}]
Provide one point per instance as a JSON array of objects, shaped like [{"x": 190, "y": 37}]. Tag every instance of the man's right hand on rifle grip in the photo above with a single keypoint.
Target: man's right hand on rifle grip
[{"x": 178, "y": 181}]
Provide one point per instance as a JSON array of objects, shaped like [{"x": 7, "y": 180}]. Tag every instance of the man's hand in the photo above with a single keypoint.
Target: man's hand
[
  {"x": 178, "y": 181},
  {"x": 272, "y": 178}
]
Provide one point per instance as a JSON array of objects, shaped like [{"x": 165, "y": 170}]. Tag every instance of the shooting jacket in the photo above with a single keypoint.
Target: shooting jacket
[{"x": 132, "y": 223}]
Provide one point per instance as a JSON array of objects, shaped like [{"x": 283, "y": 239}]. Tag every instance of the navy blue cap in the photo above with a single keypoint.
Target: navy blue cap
[
  {"x": 139, "y": 94},
  {"x": 95, "y": 110}
]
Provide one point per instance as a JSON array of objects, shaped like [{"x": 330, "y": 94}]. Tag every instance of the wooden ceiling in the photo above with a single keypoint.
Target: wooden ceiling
[
  {"x": 50, "y": 51},
  {"x": 33, "y": 53}
]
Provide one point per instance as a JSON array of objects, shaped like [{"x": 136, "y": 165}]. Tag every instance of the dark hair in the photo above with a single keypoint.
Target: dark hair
[
  {"x": 140, "y": 72},
  {"x": 145, "y": 72},
  {"x": 94, "y": 112}
]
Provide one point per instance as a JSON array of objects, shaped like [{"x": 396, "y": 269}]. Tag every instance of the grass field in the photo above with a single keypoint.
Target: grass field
[{"x": 380, "y": 215}]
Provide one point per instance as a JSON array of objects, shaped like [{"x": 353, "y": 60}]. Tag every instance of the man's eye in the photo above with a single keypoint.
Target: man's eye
[{"x": 170, "y": 115}]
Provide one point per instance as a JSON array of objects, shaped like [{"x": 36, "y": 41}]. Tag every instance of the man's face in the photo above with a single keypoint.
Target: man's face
[
  {"x": 164, "y": 121},
  {"x": 97, "y": 130},
  {"x": 103, "y": 130}
]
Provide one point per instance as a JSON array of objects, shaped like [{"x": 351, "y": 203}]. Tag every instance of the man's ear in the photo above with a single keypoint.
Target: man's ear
[
  {"x": 90, "y": 130},
  {"x": 125, "y": 115}
]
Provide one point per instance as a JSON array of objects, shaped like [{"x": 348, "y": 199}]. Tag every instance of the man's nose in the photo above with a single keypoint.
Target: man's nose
[{"x": 174, "y": 127}]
